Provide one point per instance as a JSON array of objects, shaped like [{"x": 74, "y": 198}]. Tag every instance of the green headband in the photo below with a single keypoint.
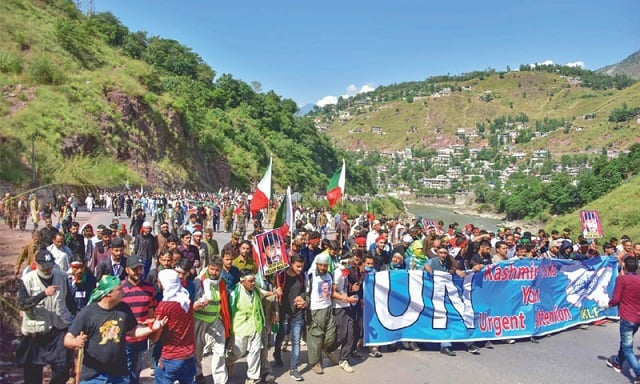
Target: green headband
[{"x": 104, "y": 287}]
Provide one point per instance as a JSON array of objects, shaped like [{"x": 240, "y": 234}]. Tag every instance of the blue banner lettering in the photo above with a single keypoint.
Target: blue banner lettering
[{"x": 512, "y": 299}]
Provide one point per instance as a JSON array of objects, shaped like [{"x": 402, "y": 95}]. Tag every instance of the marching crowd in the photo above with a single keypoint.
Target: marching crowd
[{"x": 109, "y": 298}]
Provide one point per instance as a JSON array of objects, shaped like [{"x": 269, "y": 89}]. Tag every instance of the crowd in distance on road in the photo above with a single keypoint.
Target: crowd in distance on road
[{"x": 167, "y": 286}]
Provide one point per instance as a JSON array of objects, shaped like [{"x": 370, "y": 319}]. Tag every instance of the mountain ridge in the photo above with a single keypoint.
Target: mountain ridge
[{"x": 629, "y": 66}]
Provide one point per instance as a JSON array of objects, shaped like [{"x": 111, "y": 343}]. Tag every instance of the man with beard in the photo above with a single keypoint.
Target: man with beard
[
  {"x": 247, "y": 323},
  {"x": 101, "y": 250},
  {"x": 189, "y": 252},
  {"x": 47, "y": 306},
  {"x": 233, "y": 245},
  {"x": 81, "y": 282},
  {"x": 161, "y": 239},
  {"x": 137, "y": 221},
  {"x": 321, "y": 325},
  {"x": 212, "y": 245},
  {"x": 444, "y": 263},
  {"x": 61, "y": 253},
  {"x": 381, "y": 253},
  {"x": 245, "y": 259},
  {"x": 74, "y": 240},
  {"x": 146, "y": 247},
  {"x": 46, "y": 233},
  {"x": 196, "y": 239},
  {"x": 212, "y": 324},
  {"x": 87, "y": 233},
  {"x": 140, "y": 296},
  {"x": 100, "y": 330},
  {"x": 290, "y": 290},
  {"x": 114, "y": 265}
]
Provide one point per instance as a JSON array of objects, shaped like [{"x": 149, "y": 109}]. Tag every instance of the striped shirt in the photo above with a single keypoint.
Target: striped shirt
[{"x": 140, "y": 298}]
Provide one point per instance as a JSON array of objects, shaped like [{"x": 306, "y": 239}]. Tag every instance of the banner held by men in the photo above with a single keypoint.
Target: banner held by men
[{"x": 508, "y": 300}]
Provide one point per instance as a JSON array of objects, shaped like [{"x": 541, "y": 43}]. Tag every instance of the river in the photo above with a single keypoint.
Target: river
[{"x": 448, "y": 216}]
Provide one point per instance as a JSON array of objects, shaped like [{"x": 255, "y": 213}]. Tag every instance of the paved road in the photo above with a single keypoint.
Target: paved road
[{"x": 575, "y": 356}]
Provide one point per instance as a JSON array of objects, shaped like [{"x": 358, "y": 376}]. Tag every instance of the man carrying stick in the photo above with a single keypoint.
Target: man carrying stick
[{"x": 100, "y": 330}]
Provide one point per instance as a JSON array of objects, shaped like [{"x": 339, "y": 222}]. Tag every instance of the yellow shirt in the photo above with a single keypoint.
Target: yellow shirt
[{"x": 239, "y": 263}]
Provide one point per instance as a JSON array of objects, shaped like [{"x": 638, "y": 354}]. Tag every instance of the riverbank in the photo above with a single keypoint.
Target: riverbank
[{"x": 468, "y": 213}]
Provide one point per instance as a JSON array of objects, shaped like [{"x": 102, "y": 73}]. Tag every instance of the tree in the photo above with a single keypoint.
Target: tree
[
  {"x": 135, "y": 44},
  {"x": 110, "y": 28}
]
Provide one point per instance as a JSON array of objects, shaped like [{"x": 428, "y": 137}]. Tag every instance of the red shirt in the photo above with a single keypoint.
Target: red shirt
[
  {"x": 140, "y": 299},
  {"x": 178, "y": 337},
  {"x": 626, "y": 295}
]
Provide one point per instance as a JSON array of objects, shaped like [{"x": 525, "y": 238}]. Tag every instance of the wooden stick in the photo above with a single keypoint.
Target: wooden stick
[{"x": 79, "y": 359}]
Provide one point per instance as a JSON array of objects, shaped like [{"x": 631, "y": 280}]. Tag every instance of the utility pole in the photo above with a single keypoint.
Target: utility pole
[{"x": 33, "y": 158}]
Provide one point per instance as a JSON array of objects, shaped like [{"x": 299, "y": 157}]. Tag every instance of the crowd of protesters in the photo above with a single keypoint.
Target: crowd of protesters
[{"x": 167, "y": 289}]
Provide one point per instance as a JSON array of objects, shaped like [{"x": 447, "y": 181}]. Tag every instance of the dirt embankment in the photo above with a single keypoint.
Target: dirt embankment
[{"x": 11, "y": 243}]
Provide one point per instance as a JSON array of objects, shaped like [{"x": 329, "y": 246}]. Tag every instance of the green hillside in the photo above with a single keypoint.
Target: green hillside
[
  {"x": 618, "y": 211},
  {"x": 103, "y": 105},
  {"x": 425, "y": 121}
]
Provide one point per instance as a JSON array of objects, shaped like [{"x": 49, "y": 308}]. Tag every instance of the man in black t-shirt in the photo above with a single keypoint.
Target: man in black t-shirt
[
  {"x": 100, "y": 329},
  {"x": 291, "y": 292}
]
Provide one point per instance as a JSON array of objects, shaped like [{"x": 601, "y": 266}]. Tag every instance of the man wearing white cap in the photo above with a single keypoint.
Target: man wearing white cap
[
  {"x": 145, "y": 247},
  {"x": 321, "y": 324},
  {"x": 373, "y": 233},
  {"x": 248, "y": 321},
  {"x": 554, "y": 250}
]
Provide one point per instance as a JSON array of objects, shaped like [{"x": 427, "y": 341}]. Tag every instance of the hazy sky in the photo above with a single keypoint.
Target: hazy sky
[{"x": 309, "y": 51}]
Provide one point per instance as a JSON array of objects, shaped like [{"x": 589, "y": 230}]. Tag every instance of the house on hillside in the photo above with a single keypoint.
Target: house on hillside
[
  {"x": 344, "y": 115},
  {"x": 439, "y": 182},
  {"x": 457, "y": 149},
  {"x": 454, "y": 173},
  {"x": 377, "y": 130},
  {"x": 540, "y": 154},
  {"x": 519, "y": 155}
]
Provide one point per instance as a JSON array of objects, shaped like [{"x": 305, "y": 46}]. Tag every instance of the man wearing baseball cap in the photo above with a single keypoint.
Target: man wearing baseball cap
[
  {"x": 140, "y": 296},
  {"x": 100, "y": 329},
  {"x": 44, "y": 298}
]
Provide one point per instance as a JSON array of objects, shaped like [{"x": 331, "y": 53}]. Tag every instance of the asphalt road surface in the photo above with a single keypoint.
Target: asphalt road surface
[{"x": 575, "y": 356}]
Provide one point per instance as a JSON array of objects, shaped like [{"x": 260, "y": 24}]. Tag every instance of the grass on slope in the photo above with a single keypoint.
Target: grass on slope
[
  {"x": 70, "y": 104},
  {"x": 538, "y": 94},
  {"x": 619, "y": 212}
]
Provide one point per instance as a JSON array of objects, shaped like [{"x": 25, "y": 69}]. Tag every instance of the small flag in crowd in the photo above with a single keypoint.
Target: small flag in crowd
[
  {"x": 262, "y": 195},
  {"x": 335, "y": 190},
  {"x": 284, "y": 217}
]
